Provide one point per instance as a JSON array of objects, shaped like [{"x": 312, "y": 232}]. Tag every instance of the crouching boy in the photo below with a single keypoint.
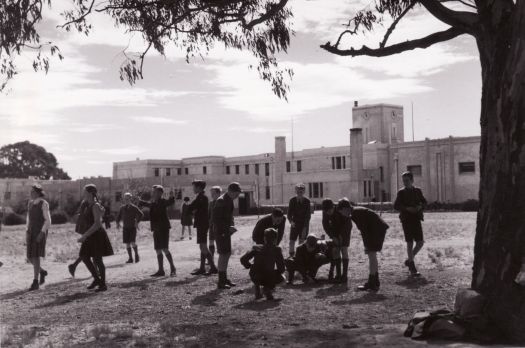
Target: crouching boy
[
  {"x": 309, "y": 257},
  {"x": 268, "y": 265}
]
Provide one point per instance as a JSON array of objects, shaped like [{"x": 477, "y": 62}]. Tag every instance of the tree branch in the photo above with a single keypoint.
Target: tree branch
[
  {"x": 459, "y": 19},
  {"x": 397, "y": 48},
  {"x": 393, "y": 25},
  {"x": 272, "y": 11}
]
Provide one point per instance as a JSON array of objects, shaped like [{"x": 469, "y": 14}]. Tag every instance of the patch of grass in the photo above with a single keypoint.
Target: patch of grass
[
  {"x": 169, "y": 329},
  {"x": 100, "y": 332},
  {"x": 27, "y": 336},
  {"x": 435, "y": 255},
  {"x": 123, "y": 334}
]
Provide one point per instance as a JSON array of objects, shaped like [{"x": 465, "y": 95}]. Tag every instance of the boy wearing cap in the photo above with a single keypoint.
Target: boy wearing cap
[
  {"x": 373, "y": 230},
  {"x": 160, "y": 226},
  {"x": 410, "y": 203},
  {"x": 215, "y": 192},
  {"x": 309, "y": 256},
  {"x": 199, "y": 208},
  {"x": 274, "y": 220},
  {"x": 38, "y": 223},
  {"x": 223, "y": 224},
  {"x": 186, "y": 217},
  {"x": 130, "y": 215},
  {"x": 268, "y": 265},
  {"x": 299, "y": 215}
]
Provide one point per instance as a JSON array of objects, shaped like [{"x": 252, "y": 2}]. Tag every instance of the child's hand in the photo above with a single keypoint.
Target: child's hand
[{"x": 81, "y": 239}]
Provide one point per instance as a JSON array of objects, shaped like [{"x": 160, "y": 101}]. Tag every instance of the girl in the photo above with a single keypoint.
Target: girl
[
  {"x": 95, "y": 241},
  {"x": 38, "y": 222},
  {"x": 186, "y": 218}
]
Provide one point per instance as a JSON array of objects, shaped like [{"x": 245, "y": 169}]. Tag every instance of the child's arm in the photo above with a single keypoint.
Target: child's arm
[
  {"x": 397, "y": 203},
  {"x": 280, "y": 232},
  {"x": 97, "y": 224},
  {"x": 280, "y": 260},
  {"x": 245, "y": 259}
]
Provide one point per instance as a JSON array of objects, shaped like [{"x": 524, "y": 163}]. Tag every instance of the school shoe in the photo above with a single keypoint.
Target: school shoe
[
  {"x": 258, "y": 294},
  {"x": 34, "y": 285},
  {"x": 221, "y": 284},
  {"x": 94, "y": 284},
  {"x": 159, "y": 273},
  {"x": 230, "y": 283},
  {"x": 199, "y": 271},
  {"x": 369, "y": 285},
  {"x": 43, "y": 275},
  {"x": 413, "y": 270},
  {"x": 268, "y": 294},
  {"x": 212, "y": 270},
  {"x": 173, "y": 272},
  {"x": 137, "y": 258},
  {"x": 129, "y": 261},
  {"x": 72, "y": 270},
  {"x": 101, "y": 287}
]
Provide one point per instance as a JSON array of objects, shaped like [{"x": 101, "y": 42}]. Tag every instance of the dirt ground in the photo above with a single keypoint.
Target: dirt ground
[{"x": 188, "y": 311}]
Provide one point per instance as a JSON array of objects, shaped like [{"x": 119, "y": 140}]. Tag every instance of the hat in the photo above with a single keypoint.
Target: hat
[
  {"x": 300, "y": 186},
  {"x": 343, "y": 203},
  {"x": 128, "y": 194},
  {"x": 158, "y": 187},
  {"x": 38, "y": 189},
  {"x": 327, "y": 204},
  {"x": 277, "y": 212},
  {"x": 199, "y": 183},
  {"x": 235, "y": 187},
  {"x": 311, "y": 239},
  {"x": 216, "y": 189}
]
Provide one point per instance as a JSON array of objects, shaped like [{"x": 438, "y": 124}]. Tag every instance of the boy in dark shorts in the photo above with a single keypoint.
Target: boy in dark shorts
[
  {"x": 199, "y": 208},
  {"x": 215, "y": 192},
  {"x": 130, "y": 215},
  {"x": 223, "y": 225},
  {"x": 299, "y": 215},
  {"x": 373, "y": 229},
  {"x": 309, "y": 257},
  {"x": 274, "y": 220},
  {"x": 160, "y": 226},
  {"x": 268, "y": 265},
  {"x": 410, "y": 203},
  {"x": 186, "y": 218}
]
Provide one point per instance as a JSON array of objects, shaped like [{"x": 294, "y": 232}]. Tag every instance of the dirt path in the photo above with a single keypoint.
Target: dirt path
[{"x": 188, "y": 311}]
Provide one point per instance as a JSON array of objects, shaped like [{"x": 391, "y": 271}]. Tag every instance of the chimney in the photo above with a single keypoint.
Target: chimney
[
  {"x": 278, "y": 170},
  {"x": 356, "y": 103},
  {"x": 356, "y": 164}
]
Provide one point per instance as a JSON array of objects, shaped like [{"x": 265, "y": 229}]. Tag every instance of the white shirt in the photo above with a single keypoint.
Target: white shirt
[{"x": 45, "y": 212}]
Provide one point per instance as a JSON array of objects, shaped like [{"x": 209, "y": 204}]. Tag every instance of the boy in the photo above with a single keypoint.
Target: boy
[
  {"x": 186, "y": 218},
  {"x": 199, "y": 208},
  {"x": 410, "y": 203},
  {"x": 267, "y": 258},
  {"x": 216, "y": 192},
  {"x": 130, "y": 215},
  {"x": 339, "y": 228},
  {"x": 223, "y": 225},
  {"x": 373, "y": 230},
  {"x": 274, "y": 220},
  {"x": 309, "y": 257},
  {"x": 160, "y": 226},
  {"x": 299, "y": 215}
]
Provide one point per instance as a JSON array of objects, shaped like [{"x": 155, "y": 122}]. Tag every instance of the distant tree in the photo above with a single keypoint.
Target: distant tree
[
  {"x": 258, "y": 26},
  {"x": 498, "y": 26},
  {"x": 24, "y": 159}
]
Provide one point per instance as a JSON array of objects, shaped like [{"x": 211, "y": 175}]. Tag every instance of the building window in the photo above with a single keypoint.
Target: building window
[
  {"x": 394, "y": 131},
  {"x": 168, "y": 171},
  {"x": 339, "y": 162},
  {"x": 344, "y": 162},
  {"x": 228, "y": 172},
  {"x": 299, "y": 166},
  {"x": 156, "y": 171},
  {"x": 186, "y": 171},
  {"x": 237, "y": 169},
  {"x": 179, "y": 171},
  {"x": 415, "y": 170},
  {"x": 267, "y": 192},
  {"x": 7, "y": 195},
  {"x": 257, "y": 169},
  {"x": 118, "y": 196},
  {"x": 467, "y": 167},
  {"x": 381, "y": 174},
  {"x": 315, "y": 189},
  {"x": 204, "y": 170},
  {"x": 288, "y": 166},
  {"x": 267, "y": 169},
  {"x": 367, "y": 189},
  {"x": 246, "y": 169},
  {"x": 178, "y": 194}
]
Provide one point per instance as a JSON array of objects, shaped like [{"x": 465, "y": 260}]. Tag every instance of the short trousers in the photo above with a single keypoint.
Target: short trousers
[
  {"x": 202, "y": 235},
  {"x": 129, "y": 235},
  {"x": 161, "y": 239},
  {"x": 299, "y": 231},
  {"x": 224, "y": 244},
  {"x": 413, "y": 230}
]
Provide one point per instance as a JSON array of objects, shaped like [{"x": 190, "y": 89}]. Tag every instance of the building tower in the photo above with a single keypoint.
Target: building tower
[
  {"x": 278, "y": 169},
  {"x": 381, "y": 123}
]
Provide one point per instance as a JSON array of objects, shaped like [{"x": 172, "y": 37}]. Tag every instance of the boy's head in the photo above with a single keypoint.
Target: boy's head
[
  {"x": 344, "y": 207},
  {"x": 328, "y": 206},
  {"x": 270, "y": 236},
  {"x": 300, "y": 189},
  {"x": 234, "y": 190},
  {"x": 311, "y": 242},
  {"x": 157, "y": 191},
  {"x": 408, "y": 179},
  {"x": 277, "y": 216},
  {"x": 37, "y": 191},
  {"x": 127, "y": 198},
  {"x": 198, "y": 186},
  {"x": 215, "y": 192},
  {"x": 186, "y": 199}
]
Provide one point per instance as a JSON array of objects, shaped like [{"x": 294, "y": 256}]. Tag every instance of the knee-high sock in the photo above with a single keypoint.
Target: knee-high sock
[
  {"x": 91, "y": 268},
  {"x": 128, "y": 249},
  {"x": 160, "y": 261},
  {"x": 212, "y": 250},
  {"x": 203, "y": 261},
  {"x": 291, "y": 247},
  {"x": 345, "y": 267},
  {"x": 338, "y": 267},
  {"x": 77, "y": 261},
  {"x": 101, "y": 268},
  {"x": 170, "y": 260},
  {"x": 136, "y": 250}
]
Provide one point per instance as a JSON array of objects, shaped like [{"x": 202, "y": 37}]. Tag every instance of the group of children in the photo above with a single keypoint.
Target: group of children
[{"x": 214, "y": 224}]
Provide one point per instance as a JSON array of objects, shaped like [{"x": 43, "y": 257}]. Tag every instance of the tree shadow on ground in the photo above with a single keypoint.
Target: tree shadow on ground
[
  {"x": 117, "y": 265},
  {"x": 258, "y": 306},
  {"x": 48, "y": 286},
  {"x": 14, "y": 294},
  {"x": 414, "y": 282},
  {"x": 184, "y": 281},
  {"x": 322, "y": 338},
  {"x": 64, "y": 300},
  {"x": 334, "y": 290},
  {"x": 368, "y": 297},
  {"x": 207, "y": 299},
  {"x": 142, "y": 284}
]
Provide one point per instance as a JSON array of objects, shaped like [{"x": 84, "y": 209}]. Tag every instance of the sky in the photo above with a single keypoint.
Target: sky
[{"x": 88, "y": 118}]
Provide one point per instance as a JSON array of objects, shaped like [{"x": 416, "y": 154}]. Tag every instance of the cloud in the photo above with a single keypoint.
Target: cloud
[
  {"x": 259, "y": 130},
  {"x": 158, "y": 120}
]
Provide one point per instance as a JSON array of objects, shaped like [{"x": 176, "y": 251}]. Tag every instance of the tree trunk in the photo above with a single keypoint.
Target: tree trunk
[{"x": 500, "y": 234}]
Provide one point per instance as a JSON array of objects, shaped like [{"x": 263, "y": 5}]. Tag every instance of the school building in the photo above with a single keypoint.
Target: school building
[{"x": 366, "y": 169}]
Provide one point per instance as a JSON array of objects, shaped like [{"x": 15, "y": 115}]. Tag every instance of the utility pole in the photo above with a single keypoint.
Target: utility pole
[
  {"x": 413, "y": 136},
  {"x": 292, "y": 137}
]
